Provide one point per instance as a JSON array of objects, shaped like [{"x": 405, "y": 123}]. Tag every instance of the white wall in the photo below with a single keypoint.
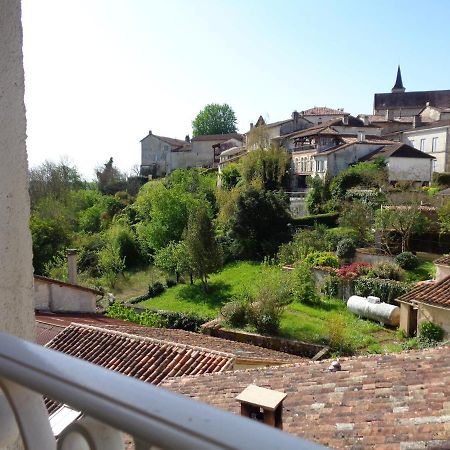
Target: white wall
[
  {"x": 409, "y": 169},
  {"x": 51, "y": 296},
  {"x": 155, "y": 151},
  {"x": 322, "y": 119},
  {"x": 340, "y": 160},
  {"x": 16, "y": 271},
  {"x": 413, "y": 137}
]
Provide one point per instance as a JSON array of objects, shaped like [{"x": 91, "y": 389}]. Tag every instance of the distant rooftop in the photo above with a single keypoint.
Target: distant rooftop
[{"x": 324, "y": 111}]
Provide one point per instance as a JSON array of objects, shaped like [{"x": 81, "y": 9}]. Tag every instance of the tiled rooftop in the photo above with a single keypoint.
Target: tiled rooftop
[
  {"x": 323, "y": 111},
  {"x": 240, "y": 350},
  {"x": 147, "y": 359},
  {"x": 437, "y": 293},
  {"x": 396, "y": 401},
  {"x": 46, "y": 332},
  {"x": 444, "y": 260}
]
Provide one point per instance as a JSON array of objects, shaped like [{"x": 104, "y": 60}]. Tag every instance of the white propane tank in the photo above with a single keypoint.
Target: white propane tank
[{"x": 372, "y": 308}]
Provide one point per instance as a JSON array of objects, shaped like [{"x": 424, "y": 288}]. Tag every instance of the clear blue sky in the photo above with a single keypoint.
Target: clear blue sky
[{"x": 101, "y": 73}]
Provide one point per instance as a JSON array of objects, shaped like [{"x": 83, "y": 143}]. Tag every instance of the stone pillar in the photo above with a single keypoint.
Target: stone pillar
[
  {"x": 72, "y": 264},
  {"x": 16, "y": 270}
]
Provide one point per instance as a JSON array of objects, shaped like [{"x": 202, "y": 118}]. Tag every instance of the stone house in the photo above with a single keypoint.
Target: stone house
[
  {"x": 432, "y": 138},
  {"x": 404, "y": 163},
  {"x": 319, "y": 115},
  {"x": 428, "y": 302},
  {"x": 161, "y": 155}
]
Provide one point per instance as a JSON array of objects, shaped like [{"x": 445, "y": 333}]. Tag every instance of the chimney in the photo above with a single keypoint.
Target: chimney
[
  {"x": 345, "y": 120},
  {"x": 361, "y": 136},
  {"x": 389, "y": 114},
  {"x": 295, "y": 115},
  {"x": 262, "y": 404},
  {"x": 417, "y": 121},
  {"x": 365, "y": 120},
  {"x": 251, "y": 125},
  {"x": 72, "y": 264},
  {"x": 187, "y": 139},
  {"x": 149, "y": 132}
]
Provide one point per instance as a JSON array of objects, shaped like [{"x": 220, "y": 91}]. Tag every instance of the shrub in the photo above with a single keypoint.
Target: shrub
[
  {"x": 304, "y": 284},
  {"x": 338, "y": 335},
  {"x": 387, "y": 290},
  {"x": 353, "y": 270},
  {"x": 407, "y": 260},
  {"x": 441, "y": 179},
  {"x": 110, "y": 263},
  {"x": 155, "y": 289},
  {"x": 346, "y": 248},
  {"x": 387, "y": 270},
  {"x": 334, "y": 235},
  {"x": 330, "y": 286},
  {"x": 235, "y": 313},
  {"x": 328, "y": 219},
  {"x": 157, "y": 318},
  {"x": 430, "y": 332},
  {"x": 322, "y": 259},
  {"x": 265, "y": 315},
  {"x": 171, "y": 283}
]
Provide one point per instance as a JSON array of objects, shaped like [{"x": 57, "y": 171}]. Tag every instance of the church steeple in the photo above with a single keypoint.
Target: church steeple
[{"x": 398, "y": 87}]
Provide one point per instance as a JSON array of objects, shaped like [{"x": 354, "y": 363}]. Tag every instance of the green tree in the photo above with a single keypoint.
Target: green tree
[
  {"x": 304, "y": 287},
  {"x": 358, "y": 216},
  {"x": 55, "y": 179},
  {"x": 318, "y": 195},
  {"x": 269, "y": 166},
  {"x": 202, "y": 248},
  {"x": 214, "y": 119},
  {"x": 402, "y": 220},
  {"x": 230, "y": 176},
  {"x": 258, "y": 223},
  {"x": 109, "y": 179},
  {"x": 174, "y": 258},
  {"x": 444, "y": 217}
]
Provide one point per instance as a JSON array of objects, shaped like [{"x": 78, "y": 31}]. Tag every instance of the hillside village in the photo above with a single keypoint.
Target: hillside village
[
  {"x": 299, "y": 250},
  {"x": 284, "y": 288}
]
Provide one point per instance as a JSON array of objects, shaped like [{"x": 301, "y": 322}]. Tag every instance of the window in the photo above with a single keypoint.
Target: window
[
  {"x": 422, "y": 145},
  {"x": 434, "y": 143},
  {"x": 317, "y": 166},
  {"x": 296, "y": 165},
  {"x": 434, "y": 166}
]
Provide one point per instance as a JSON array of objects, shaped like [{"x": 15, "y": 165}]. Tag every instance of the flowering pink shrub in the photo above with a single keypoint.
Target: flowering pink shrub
[{"x": 353, "y": 271}]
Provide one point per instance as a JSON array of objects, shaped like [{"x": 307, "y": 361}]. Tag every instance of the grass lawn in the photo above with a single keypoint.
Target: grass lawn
[
  {"x": 222, "y": 286},
  {"x": 312, "y": 324},
  {"x": 299, "y": 321},
  {"x": 425, "y": 271},
  {"x": 135, "y": 282}
]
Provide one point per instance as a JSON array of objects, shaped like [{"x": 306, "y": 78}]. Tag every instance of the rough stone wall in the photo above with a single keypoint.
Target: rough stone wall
[{"x": 16, "y": 271}]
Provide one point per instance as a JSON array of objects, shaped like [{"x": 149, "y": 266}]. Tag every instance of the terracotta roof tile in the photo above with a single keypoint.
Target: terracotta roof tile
[
  {"x": 240, "y": 350},
  {"x": 149, "y": 360},
  {"x": 323, "y": 111},
  {"x": 46, "y": 332},
  {"x": 444, "y": 260},
  {"x": 393, "y": 401},
  {"x": 437, "y": 293}
]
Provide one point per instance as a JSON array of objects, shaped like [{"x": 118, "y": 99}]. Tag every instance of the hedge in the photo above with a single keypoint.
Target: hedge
[
  {"x": 156, "y": 317},
  {"x": 387, "y": 290},
  {"x": 441, "y": 179},
  {"x": 328, "y": 219}
]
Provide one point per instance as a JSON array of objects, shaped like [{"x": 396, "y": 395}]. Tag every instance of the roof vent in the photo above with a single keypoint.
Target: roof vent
[
  {"x": 335, "y": 366},
  {"x": 345, "y": 120},
  {"x": 361, "y": 136},
  {"x": 262, "y": 404}
]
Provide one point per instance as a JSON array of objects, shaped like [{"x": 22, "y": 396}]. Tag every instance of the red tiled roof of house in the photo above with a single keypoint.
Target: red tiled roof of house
[
  {"x": 150, "y": 360},
  {"x": 218, "y": 137},
  {"x": 443, "y": 260},
  {"x": 394, "y": 401},
  {"x": 323, "y": 111},
  {"x": 64, "y": 320},
  {"x": 70, "y": 285},
  {"x": 436, "y": 293},
  {"x": 240, "y": 350},
  {"x": 46, "y": 332}
]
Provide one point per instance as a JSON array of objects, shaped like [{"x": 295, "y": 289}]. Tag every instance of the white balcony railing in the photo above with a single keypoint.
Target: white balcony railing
[{"x": 111, "y": 404}]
